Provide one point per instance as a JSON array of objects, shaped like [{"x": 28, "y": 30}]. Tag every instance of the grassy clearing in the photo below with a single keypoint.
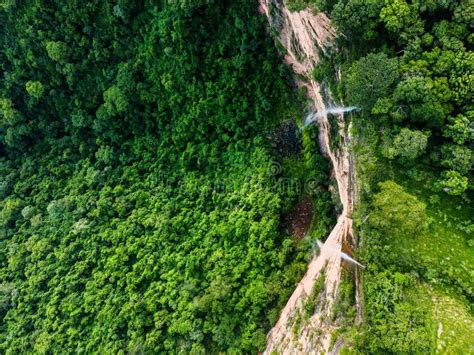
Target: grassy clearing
[
  {"x": 440, "y": 260},
  {"x": 446, "y": 252},
  {"x": 454, "y": 323}
]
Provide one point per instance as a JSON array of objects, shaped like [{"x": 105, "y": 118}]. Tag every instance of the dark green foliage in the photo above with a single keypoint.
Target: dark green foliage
[
  {"x": 139, "y": 212},
  {"x": 371, "y": 78},
  {"x": 414, "y": 68}
]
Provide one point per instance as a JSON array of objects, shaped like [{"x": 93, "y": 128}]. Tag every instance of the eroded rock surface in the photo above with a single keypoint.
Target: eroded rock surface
[{"x": 305, "y": 35}]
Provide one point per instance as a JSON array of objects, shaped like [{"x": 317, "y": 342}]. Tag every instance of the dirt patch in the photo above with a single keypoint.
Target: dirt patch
[{"x": 299, "y": 220}]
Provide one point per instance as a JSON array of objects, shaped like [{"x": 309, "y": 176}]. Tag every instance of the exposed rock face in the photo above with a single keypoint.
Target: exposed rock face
[{"x": 305, "y": 35}]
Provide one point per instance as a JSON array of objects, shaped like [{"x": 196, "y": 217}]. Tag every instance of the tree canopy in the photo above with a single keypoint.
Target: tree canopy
[
  {"x": 139, "y": 211},
  {"x": 411, "y": 69}
]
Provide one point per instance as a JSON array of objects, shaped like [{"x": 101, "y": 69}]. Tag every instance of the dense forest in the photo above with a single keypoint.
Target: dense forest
[
  {"x": 150, "y": 168},
  {"x": 410, "y": 67},
  {"x": 143, "y": 183}
]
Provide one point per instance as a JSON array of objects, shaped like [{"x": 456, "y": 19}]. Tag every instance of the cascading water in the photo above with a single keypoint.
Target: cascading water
[
  {"x": 341, "y": 254},
  {"x": 313, "y": 117}
]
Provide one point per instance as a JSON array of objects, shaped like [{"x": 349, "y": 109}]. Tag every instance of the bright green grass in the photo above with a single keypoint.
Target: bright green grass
[
  {"x": 444, "y": 256},
  {"x": 454, "y": 324},
  {"x": 444, "y": 253}
]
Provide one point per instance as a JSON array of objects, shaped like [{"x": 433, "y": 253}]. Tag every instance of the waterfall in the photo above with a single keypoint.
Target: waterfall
[
  {"x": 330, "y": 111},
  {"x": 341, "y": 254}
]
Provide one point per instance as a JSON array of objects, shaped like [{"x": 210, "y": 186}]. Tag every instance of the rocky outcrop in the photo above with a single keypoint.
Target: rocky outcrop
[{"x": 305, "y": 36}]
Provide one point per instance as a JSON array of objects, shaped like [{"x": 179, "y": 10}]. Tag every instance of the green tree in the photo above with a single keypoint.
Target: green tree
[
  {"x": 416, "y": 89},
  {"x": 358, "y": 19},
  {"x": 115, "y": 100},
  {"x": 418, "y": 94},
  {"x": 409, "y": 144},
  {"x": 9, "y": 213},
  {"x": 35, "y": 88},
  {"x": 6, "y": 292},
  {"x": 57, "y": 50},
  {"x": 371, "y": 78},
  {"x": 396, "y": 15},
  {"x": 401, "y": 18},
  {"x": 457, "y": 157},
  {"x": 8, "y": 112},
  {"x": 12, "y": 121},
  {"x": 460, "y": 128},
  {"x": 453, "y": 183}
]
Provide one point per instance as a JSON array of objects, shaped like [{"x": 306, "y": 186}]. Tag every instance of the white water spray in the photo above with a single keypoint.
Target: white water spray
[
  {"x": 330, "y": 111},
  {"x": 341, "y": 254}
]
